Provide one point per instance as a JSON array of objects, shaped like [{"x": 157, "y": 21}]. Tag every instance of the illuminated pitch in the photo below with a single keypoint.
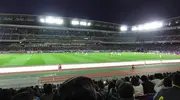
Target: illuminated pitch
[{"x": 8, "y": 60}]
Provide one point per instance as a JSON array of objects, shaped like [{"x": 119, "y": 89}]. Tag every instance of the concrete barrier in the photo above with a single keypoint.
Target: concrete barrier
[{"x": 94, "y": 65}]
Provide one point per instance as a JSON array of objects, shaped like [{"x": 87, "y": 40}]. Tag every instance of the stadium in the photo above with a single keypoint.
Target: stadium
[{"x": 51, "y": 49}]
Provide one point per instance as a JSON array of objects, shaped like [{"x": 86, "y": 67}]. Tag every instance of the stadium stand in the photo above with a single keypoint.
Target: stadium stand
[{"x": 26, "y": 33}]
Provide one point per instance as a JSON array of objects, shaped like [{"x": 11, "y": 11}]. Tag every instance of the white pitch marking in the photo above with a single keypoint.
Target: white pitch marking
[{"x": 29, "y": 57}]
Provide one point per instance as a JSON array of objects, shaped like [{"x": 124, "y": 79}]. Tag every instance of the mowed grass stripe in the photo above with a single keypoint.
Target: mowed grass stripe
[
  {"x": 13, "y": 60},
  {"x": 18, "y": 60},
  {"x": 65, "y": 58},
  {"x": 50, "y": 60},
  {"x": 79, "y": 59},
  {"x": 99, "y": 57},
  {"x": 88, "y": 58},
  {"x": 136, "y": 56},
  {"x": 35, "y": 60},
  {"x": 6, "y": 58}
]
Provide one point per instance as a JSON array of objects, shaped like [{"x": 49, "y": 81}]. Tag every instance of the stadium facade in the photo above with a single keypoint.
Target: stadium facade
[{"x": 27, "y": 33}]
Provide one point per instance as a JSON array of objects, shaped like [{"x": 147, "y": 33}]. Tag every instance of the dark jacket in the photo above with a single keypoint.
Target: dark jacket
[
  {"x": 168, "y": 94},
  {"x": 148, "y": 87},
  {"x": 115, "y": 96}
]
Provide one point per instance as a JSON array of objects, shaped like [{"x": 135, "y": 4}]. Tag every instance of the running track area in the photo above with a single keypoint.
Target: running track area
[
  {"x": 54, "y": 76},
  {"x": 117, "y": 73}
]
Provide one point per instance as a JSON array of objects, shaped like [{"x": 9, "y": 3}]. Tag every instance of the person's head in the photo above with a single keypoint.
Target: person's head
[
  {"x": 127, "y": 79},
  {"x": 78, "y": 88},
  {"x": 126, "y": 90},
  {"x": 151, "y": 77},
  {"x": 137, "y": 76},
  {"x": 101, "y": 84},
  {"x": 114, "y": 81},
  {"x": 167, "y": 82},
  {"x": 48, "y": 89},
  {"x": 111, "y": 85},
  {"x": 144, "y": 78},
  {"x": 37, "y": 87},
  {"x": 119, "y": 83},
  {"x": 176, "y": 80},
  {"x": 135, "y": 81},
  {"x": 13, "y": 91},
  {"x": 161, "y": 76},
  {"x": 164, "y": 74},
  {"x": 156, "y": 76},
  {"x": 130, "y": 77}
]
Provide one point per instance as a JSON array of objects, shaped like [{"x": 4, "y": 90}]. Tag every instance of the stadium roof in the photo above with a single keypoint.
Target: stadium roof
[{"x": 66, "y": 23}]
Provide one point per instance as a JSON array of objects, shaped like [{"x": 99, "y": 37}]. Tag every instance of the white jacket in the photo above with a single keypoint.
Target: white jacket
[
  {"x": 159, "y": 86},
  {"x": 155, "y": 81},
  {"x": 138, "y": 90}
]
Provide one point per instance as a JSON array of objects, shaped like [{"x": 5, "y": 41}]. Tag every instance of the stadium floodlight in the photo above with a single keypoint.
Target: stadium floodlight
[
  {"x": 153, "y": 25},
  {"x": 42, "y": 20},
  {"x": 140, "y": 27},
  {"x": 123, "y": 28},
  {"x": 83, "y": 23},
  {"x": 157, "y": 24},
  {"x": 59, "y": 21},
  {"x": 75, "y": 22},
  {"x": 50, "y": 20},
  {"x": 134, "y": 28},
  {"x": 89, "y": 24},
  {"x": 148, "y": 26}
]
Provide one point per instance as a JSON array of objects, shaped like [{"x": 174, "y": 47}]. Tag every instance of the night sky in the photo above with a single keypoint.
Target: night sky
[{"x": 118, "y": 11}]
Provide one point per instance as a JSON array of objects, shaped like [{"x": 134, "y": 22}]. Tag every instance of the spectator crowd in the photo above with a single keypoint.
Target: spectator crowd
[{"x": 160, "y": 86}]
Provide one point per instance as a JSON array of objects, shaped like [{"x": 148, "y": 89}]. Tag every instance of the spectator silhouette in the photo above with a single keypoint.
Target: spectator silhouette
[
  {"x": 78, "y": 88},
  {"x": 24, "y": 96},
  {"x": 158, "y": 77},
  {"x": 127, "y": 79},
  {"x": 48, "y": 90},
  {"x": 138, "y": 88},
  {"x": 170, "y": 93},
  {"x": 5, "y": 94},
  {"x": 148, "y": 86},
  {"x": 165, "y": 83},
  {"x": 126, "y": 91}
]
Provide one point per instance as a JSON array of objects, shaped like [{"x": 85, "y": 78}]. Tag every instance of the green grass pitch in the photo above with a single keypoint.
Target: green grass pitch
[{"x": 9, "y": 60}]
